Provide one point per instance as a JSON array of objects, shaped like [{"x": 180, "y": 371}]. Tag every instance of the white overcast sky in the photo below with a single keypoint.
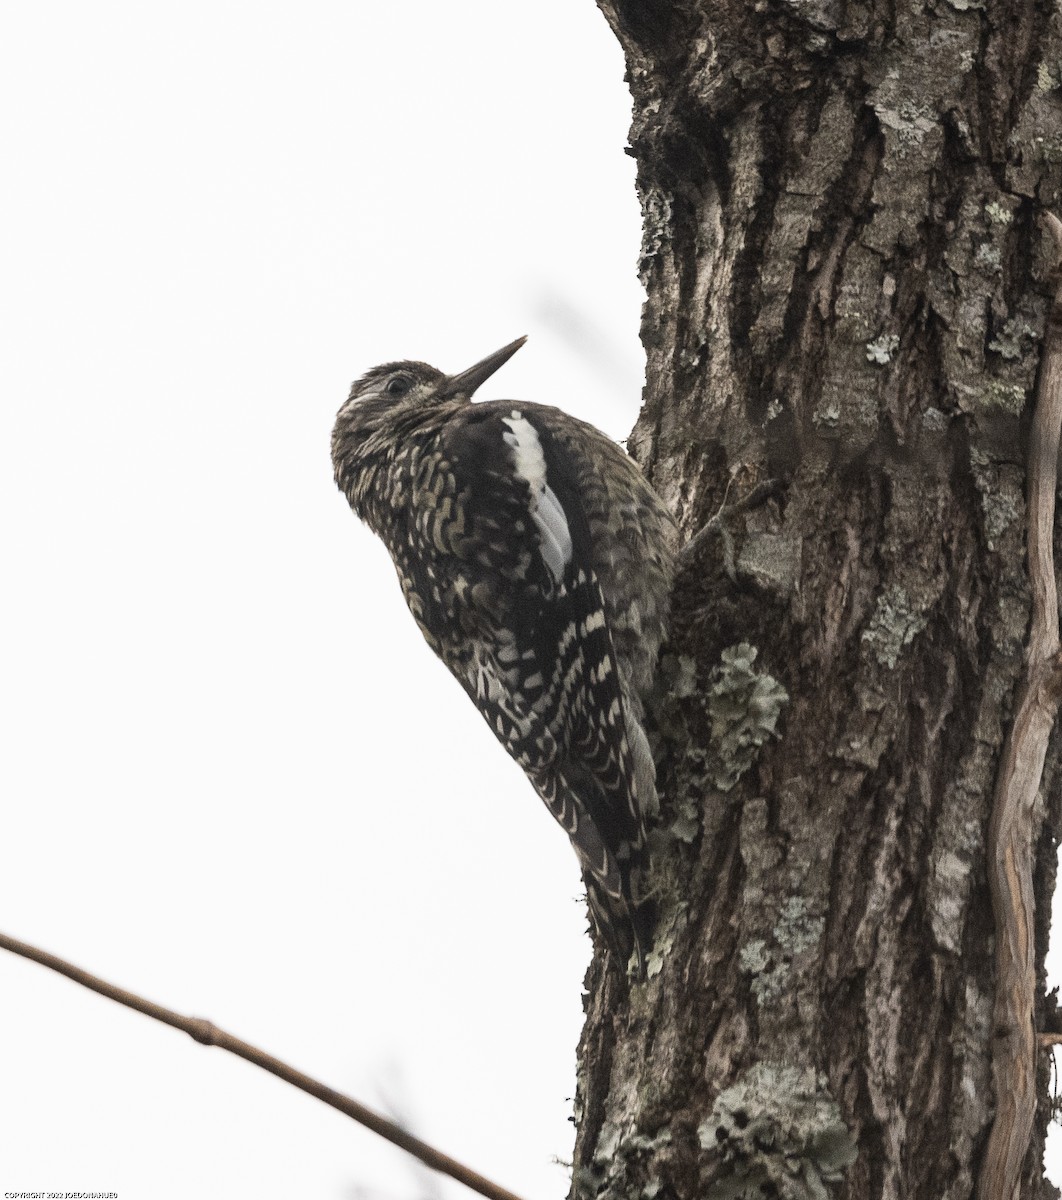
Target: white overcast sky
[{"x": 235, "y": 778}]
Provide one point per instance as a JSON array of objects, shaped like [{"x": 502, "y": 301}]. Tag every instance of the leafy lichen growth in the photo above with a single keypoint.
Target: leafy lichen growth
[
  {"x": 663, "y": 944},
  {"x": 1001, "y": 490},
  {"x": 608, "y": 1143},
  {"x": 881, "y": 349},
  {"x": 767, "y": 978},
  {"x": 911, "y": 121},
  {"x": 641, "y": 1141},
  {"x": 1001, "y": 511},
  {"x": 672, "y": 916},
  {"x": 1008, "y": 342},
  {"x": 1046, "y": 78},
  {"x": 998, "y": 213},
  {"x": 686, "y": 823},
  {"x": 988, "y": 259},
  {"x": 781, "y": 1133},
  {"x": 744, "y": 705},
  {"x": 828, "y": 415},
  {"x": 617, "y": 1145},
  {"x": 795, "y": 932},
  {"x": 1009, "y": 397},
  {"x": 656, "y": 226},
  {"x": 754, "y": 957},
  {"x": 895, "y": 624}
]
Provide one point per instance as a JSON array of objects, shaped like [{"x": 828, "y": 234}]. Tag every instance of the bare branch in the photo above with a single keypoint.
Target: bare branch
[
  {"x": 208, "y": 1034},
  {"x": 760, "y": 493},
  {"x": 1011, "y": 829}
]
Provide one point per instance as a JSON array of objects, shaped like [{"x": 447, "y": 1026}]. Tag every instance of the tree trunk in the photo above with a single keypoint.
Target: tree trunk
[{"x": 846, "y": 297}]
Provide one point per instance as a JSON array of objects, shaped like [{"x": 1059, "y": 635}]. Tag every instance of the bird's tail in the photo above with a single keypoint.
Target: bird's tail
[
  {"x": 621, "y": 918},
  {"x": 622, "y": 924}
]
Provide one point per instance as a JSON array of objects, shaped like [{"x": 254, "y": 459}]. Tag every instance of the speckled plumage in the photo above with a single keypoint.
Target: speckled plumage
[{"x": 537, "y": 563}]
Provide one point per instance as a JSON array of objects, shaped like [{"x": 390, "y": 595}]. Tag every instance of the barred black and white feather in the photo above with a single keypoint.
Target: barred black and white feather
[{"x": 537, "y": 563}]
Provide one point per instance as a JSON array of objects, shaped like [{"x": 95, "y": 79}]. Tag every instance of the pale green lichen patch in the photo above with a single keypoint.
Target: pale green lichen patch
[
  {"x": 1001, "y": 512},
  {"x": 663, "y": 944},
  {"x": 1009, "y": 397},
  {"x": 828, "y": 415},
  {"x": 1001, "y": 489},
  {"x": 1048, "y": 78},
  {"x": 998, "y": 213},
  {"x": 910, "y": 121},
  {"x": 895, "y": 624},
  {"x": 656, "y": 225},
  {"x": 614, "y": 1147},
  {"x": 768, "y": 979},
  {"x": 934, "y": 420},
  {"x": 754, "y": 957},
  {"x": 950, "y": 876},
  {"x": 744, "y": 705},
  {"x": 641, "y": 1141},
  {"x": 988, "y": 259},
  {"x": 1008, "y": 342},
  {"x": 797, "y": 930},
  {"x": 778, "y": 1125},
  {"x": 608, "y": 1143},
  {"x": 671, "y": 919},
  {"x": 881, "y": 349},
  {"x": 686, "y": 823}
]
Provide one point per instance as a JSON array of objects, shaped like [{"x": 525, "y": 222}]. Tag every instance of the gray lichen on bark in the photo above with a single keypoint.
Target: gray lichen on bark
[
  {"x": 782, "y": 1133},
  {"x": 743, "y": 707}
]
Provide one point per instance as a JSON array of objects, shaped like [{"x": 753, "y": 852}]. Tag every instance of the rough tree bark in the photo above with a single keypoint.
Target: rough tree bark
[{"x": 846, "y": 296}]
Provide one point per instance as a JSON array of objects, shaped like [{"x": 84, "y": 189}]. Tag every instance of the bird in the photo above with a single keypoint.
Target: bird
[{"x": 537, "y": 562}]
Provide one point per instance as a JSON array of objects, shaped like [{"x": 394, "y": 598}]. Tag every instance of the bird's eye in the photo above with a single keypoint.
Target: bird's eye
[{"x": 399, "y": 385}]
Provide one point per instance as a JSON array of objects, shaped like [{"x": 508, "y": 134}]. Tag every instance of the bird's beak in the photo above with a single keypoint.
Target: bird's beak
[{"x": 467, "y": 382}]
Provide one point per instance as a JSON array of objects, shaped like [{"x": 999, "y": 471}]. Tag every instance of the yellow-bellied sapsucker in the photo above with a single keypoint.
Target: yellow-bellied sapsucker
[{"x": 537, "y": 562}]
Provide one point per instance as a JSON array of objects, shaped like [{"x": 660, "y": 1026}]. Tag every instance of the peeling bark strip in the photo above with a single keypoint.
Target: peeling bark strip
[
  {"x": 846, "y": 293},
  {"x": 1014, "y": 826}
]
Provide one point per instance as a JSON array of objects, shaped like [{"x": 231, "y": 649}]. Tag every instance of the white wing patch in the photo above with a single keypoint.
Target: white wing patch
[{"x": 554, "y": 536}]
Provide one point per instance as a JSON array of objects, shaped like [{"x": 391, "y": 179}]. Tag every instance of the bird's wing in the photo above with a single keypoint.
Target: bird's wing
[
  {"x": 633, "y": 539},
  {"x": 544, "y": 670}
]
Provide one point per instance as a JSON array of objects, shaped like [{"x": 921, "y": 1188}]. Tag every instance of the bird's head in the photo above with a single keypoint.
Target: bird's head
[{"x": 393, "y": 399}]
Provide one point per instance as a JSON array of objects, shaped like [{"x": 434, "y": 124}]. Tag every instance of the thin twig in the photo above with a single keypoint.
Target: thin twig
[
  {"x": 1011, "y": 829},
  {"x": 208, "y": 1034},
  {"x": 760, "y": 493}
]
